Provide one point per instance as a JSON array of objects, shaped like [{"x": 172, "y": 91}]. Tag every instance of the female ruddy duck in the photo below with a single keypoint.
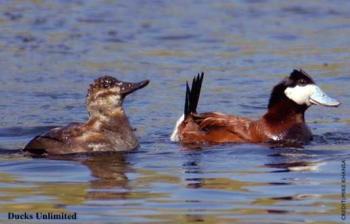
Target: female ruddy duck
[
  {"x": 107, "y": 128},
  {"x": 284, "y": 121}
]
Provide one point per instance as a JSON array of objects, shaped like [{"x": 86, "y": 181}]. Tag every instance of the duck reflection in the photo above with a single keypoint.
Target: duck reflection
[
  {"x": 108, "y": 171},
  {"x": 193, "y": 170},
  {"x": 287, "y": 160},
  {"x": 199, "y": 177}
]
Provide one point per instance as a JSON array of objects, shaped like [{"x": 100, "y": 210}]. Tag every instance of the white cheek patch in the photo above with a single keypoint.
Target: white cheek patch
[
  {"x": 101, "y": 102},
  {"x": 115, "y": 89},
  {"x": 113, "y": 100},
  {"x": 301, "y": 94}
]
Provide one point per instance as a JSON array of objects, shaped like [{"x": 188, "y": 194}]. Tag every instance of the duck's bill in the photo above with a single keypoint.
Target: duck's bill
[
  {"x": 321, "y": 98},
  {"x": 129, "y": 87}
]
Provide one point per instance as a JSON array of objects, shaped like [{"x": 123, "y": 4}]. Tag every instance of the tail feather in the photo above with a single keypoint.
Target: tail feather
[
  {"x": 192, "y": 95},
  {"x": 187, "y": 100},
  {"x": 191, "y": 102}
]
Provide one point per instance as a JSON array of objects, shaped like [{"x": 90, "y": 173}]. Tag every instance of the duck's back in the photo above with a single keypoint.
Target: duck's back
[
  {"x": 60, "y": 140},
  {"x": 215, "y": 128}
]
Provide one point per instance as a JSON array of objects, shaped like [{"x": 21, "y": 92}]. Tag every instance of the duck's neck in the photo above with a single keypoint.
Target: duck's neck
[
  {"x": 285, "y": 112},
  {"x": 113, "y": 120}
]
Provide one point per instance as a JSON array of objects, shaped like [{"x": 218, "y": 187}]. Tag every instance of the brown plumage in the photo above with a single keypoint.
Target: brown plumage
[
  {"x": 107, "y": 129},
  {"x": 284, "y": 121}
]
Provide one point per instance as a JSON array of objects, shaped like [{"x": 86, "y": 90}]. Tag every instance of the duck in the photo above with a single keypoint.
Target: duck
[
  {"x": 283, "y": 123},
  {"x": 107, "y": 128}
]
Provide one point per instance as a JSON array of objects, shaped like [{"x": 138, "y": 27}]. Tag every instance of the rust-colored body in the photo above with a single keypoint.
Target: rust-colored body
[{"x": 216, "y": 128}]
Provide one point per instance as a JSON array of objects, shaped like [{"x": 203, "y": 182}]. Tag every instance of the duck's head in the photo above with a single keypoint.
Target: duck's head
[
  {"x": 107, "y": 93},
  {"x": 300, "y": 89}
]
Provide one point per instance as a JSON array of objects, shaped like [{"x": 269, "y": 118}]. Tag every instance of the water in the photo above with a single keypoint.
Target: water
[{"x": 52, "y": 50}]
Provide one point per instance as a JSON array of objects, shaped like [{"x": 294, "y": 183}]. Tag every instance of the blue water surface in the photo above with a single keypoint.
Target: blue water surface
[{"x": 51, "y": 51}]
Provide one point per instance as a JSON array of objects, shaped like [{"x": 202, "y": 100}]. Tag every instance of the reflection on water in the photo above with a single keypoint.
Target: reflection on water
[
  {"x": 207, "y": 185},
  {"x": 108, "y": 172},
  {"x": 52, "y": 50}
]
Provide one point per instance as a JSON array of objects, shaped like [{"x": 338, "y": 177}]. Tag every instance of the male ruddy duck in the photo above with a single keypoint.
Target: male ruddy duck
[
  {"x": 107, "y": 129},
  {"x": 283, "y": 123}
]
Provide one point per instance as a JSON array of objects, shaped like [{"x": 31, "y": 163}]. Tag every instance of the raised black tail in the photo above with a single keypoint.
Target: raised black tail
[{"x": 192, "y": 95}]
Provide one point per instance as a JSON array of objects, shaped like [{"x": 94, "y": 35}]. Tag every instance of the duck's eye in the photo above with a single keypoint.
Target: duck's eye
[{"x": 302, "y": 82}]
